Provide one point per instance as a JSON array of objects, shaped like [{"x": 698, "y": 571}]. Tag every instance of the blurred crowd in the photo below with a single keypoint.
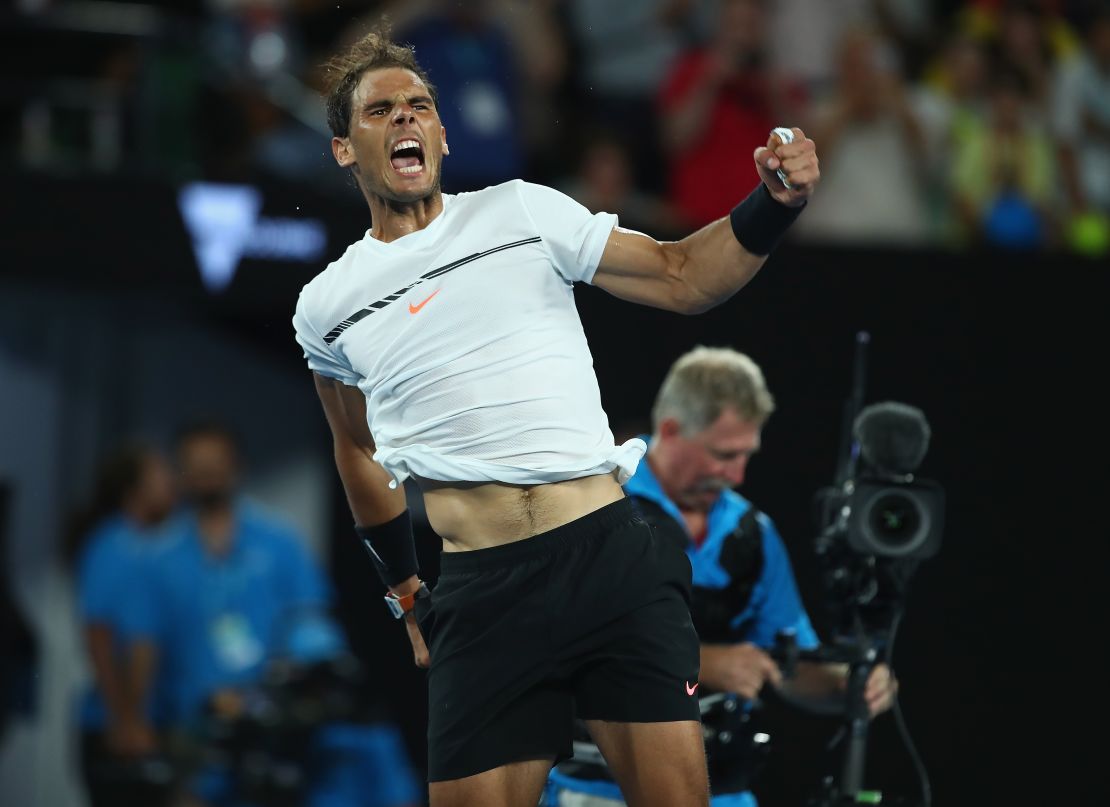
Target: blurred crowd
[
  {"x": 984, "y": 122},
  {"x": 219, "y": 676}
]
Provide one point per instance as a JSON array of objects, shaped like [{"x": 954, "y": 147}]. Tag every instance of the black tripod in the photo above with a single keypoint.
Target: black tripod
[{"x": 861, "y": 657}]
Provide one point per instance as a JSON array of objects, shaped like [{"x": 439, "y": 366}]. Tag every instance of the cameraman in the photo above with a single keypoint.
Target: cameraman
[
  {"x": 235, "y": 593},
  {"x": 707, "y": 420}
]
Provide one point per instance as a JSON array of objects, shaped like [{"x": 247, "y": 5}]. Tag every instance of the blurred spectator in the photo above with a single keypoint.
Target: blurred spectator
[
  {"x": 1004, "y": 177},
  {"x": 954, "y": 94},
  {"x": 951, "y": 103},
  {"x": 604, "y": 183},
  {"x": 805, "y": 35},
  {"x": 235, "y": 595},
  {"x": 1026, "y": 37},
  {"x": 873, "y": 166},
  {"x": 1082, "y": 128},
  {"x": 625, "y": 49},
  {"x": 116, "y": 541},
  {"x": 1022, "y": 44},
  {"x": 718, "y": 102}
]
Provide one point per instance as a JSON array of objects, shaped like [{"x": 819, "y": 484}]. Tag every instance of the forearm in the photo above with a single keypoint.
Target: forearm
[
  {"x": 142, "y": 666},
  {"x": 371, "y": 500},
  {"x": 377, "y": 508},
  {"x": 816, "y": 682},
  {"x": 109, "y": 678},
  {"x": 710, "y": 266},
  {"x": 715, "y": 667}
]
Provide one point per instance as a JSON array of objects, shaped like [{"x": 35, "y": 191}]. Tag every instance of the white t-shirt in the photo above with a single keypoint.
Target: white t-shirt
[{"x": 465, "y": 340}]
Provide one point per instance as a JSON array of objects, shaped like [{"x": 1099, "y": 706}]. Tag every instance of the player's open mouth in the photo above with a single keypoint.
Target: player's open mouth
[{"x": 407, "y": 157}]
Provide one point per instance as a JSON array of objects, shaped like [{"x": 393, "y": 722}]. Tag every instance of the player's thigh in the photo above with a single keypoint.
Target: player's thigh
[
  {"x": 518, "y": 784},
  {"x": 655, "y": 764}
]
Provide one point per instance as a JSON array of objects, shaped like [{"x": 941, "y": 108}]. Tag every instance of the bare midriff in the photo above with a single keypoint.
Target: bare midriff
[{"x": 476, "y": 516}]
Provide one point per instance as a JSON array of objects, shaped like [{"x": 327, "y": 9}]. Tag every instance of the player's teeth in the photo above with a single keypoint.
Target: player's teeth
[{"x": 412, "y": 169}]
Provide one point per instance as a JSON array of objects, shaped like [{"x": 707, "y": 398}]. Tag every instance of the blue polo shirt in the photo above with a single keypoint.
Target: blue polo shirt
[
  {"x": 217, "y": 619},
  {"x": 118, "y": 555},
  {"x": 775, "y": 604}
]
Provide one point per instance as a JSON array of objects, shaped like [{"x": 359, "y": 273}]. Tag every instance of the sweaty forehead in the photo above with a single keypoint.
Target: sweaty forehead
[{"x": 387, "y": 83}]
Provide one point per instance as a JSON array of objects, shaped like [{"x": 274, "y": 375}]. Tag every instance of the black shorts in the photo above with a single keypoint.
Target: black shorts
[{"x": 589, "y": 620}]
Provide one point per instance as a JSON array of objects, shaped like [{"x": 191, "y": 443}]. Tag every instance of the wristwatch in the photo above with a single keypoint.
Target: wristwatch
[{"x": 399, "y": 606}]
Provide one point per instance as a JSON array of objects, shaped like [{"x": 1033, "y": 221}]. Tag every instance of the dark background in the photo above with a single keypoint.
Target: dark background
[{"x": 1004, "y": 353}]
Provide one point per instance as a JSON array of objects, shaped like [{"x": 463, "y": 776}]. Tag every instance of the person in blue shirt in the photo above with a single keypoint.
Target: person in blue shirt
[
  {"x": 235, "y": 593},
  {"x": 707, "y": 423},
  {"x": 113, "y": 542}
]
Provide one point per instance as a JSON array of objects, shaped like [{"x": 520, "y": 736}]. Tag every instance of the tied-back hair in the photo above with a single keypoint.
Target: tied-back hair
[
  {"x": 704, "y": 382},
  {"x": 372, "y": 51}
]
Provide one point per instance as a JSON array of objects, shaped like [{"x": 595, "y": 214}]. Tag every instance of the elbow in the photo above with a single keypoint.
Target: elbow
[
  {"x": 350, "y": 455},
  {"x": 698, "y": 305},
  {"x": 683, "y": 296},
  {"x": 689, "y": 299}
]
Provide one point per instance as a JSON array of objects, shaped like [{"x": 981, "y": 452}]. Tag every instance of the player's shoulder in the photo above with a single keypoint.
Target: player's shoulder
[
  {"x": 488, "y": 200},
  {"x": 332, "y": 274},
  {"x": 512, "y": 192},
  {"x": 318, "y": 297}
]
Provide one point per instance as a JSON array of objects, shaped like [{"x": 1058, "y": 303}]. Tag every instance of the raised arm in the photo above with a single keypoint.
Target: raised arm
[
  {"x": 373, "y": 503},
  {"x": 706, "y": 268}
]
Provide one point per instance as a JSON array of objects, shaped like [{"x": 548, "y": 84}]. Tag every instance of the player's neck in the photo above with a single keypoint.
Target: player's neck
[{"x": 392, "y": 220}]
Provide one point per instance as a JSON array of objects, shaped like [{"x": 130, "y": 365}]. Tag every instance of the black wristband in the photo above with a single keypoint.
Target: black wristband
[
  {"x": 392, "y": 549},
  {"x": 759, "y": 221}
]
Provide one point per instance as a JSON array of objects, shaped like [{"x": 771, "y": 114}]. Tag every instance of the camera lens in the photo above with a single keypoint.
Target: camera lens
[{"x": 895, "y": 521}]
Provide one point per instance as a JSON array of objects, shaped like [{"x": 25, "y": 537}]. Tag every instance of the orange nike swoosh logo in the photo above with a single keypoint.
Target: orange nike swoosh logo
[
  {"x": 415, "y": 309},
  {"x": 690, "y": 690}
]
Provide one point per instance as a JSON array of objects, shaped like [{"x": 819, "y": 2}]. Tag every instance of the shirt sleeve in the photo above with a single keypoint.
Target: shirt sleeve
[
  {"x": 321, "y": 358},
  {"x": 575, "y": 238},
  {"x": 778, "y": 606}
]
